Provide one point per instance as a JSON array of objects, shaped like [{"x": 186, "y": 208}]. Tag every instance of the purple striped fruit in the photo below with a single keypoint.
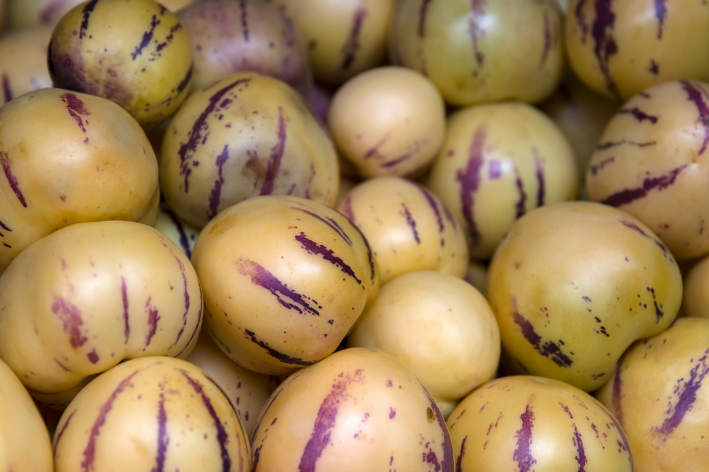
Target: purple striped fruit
[
  {"x": 245, "y": 135},
  {"x": 526, "y": 423},
  {"x": 660, "y": 395},
  {"x": 603, "y": 39},
  {"x": 24, "y": 441},
  {"x": 154, "y": 414},
  {"x": 132, "y": 52},
  {"x": 89, "y": 296},
  {"x": 179, "y": 232},
  {"x": 69, "y": 158},
  {"x": 284, "y": 280},
  {"x": 247, "y": 391},
  {"x": 343, "y": 38},
  {"x": 479, "y": 51},
  {"x": 23, "y": 62},
  {"x": 651, "y": 162},
  {"x": 356, "y": 410},
  {"x": 498, "y": 162},
  {"x": 407, "y": 226},
  {"x": 388, "y": 121},
  {"x": 574, "y": 284}
]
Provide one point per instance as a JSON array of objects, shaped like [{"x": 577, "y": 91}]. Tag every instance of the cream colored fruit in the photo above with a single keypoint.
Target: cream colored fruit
[
  {"x": 482, "y": 51},
  {"x": 652, "y": 160},
  {"x": 182, "y": 234},
  {"x": 621, "y": 48},
  {"x": 477, "y": 276},
  {"x": 498, "y": 162},
  {"x": 437, "y": 325},
  {"x": 247, "y": 391},
  {"x": 91, "y": 295},
  {"x": 244, "y": 136},
  {"x": 343, "y": 38},
  {"x": 69, "y": 158},
  {"x": 574, "y": 284},
  {"x": 581, "y": 114},
  {"x": 23, "y": 62},
  {"x": 388, "y": 121},
  {"x": 21, "y": 14},
  {"x": 530, "y": 423},
  {"x": 249, "y": 35},
  {"x": 661, "y": 398},
  {"x": 132, "y": 52},
  {"x": 408, "y": 228},
  {"x": 356, "y": 410},
  {"x": 284, "y": 280},
  {"x": 155, "y": 413},
  {"x": 24, "y": 440},
  {"x": 695, "y": 299}
]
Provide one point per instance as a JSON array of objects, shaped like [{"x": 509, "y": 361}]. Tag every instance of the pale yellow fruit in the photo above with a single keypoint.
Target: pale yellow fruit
[
  {"x": 498, "y": 162},
  {"x": 69, "y": 158},
  {"x": 408, "y": 228},
  {"x": 245, "y": 135},
  {"x": 388, "y": 121},
  {"x": 356, "y": 410},
  {"x": 91, "y": 295},
  {"x": 182, "y": 234},
  {"x": 652, "y": 160},
  {"x": 284, "y": 280},
  {"x": 24, "y": 441},
  {"x": 620, "y": 48},
  {"x": 526, "y": 423},
  {"x": 661, "y": 398},
  {"x": 437, "y": 325},
  {"x": 574, "y": 284},
  {"x": 23, "y": 62},
  {"x": 481, "y": 50},
  {"x": 155, "y": 413},
  {"x": 247, "y": 391},
  {"x": 133, "y": 52}
]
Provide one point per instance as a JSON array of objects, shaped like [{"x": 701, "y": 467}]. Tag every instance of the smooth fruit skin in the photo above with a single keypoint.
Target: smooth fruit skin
[
  {"x": 356, "y": 410},
  {"x": 133, "y": 52},
  {"x": 481, "y": 50},
  {"x": 621, "y": 47},
  {"x": 284, "y": 280},
  {"x": 155, "y": 413},
  {"x": 23, "y": 62},
  {"x": 90, "y": 295},
  {"x": 21, "y": 14},
  {"x": 24, "y": 441},
  {"x": 695, "y": 301},
  {"x": 527, "y": 423},
  {"x": 660, "y": 395},
  {"x": 574, "y": 284},
  {"x": 651, "y": 161},
  {"x": 69, "y": 158}
]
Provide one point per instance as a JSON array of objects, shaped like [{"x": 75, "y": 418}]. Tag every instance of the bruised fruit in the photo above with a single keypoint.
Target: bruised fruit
[
  {"x": 388, "y": 121},
  {"x": 437, "y": 325},
  {"x": 23, "y": 62},
  {"x": 356, "y": 410},
  {"x": 481, "y": 51},
  {"x": 24, "y": 440},
  {"x": 155, "y": 413},
  {"x": 343, "y": 38},
  {"x": 526, "y": 423},
  {"x": 247, "y": 391},
  {"x": 89, "y": 296},
  {"x": 245, "y": 135},
  {"x": 650, "y": 162},
  {"x": 660, "y": 395},
  {"x": 249, "y": 35},
  {"x": 133, "y": 52},
  {"x": 408, "y": 227},
  {"x": 619, "y": 48},
  {"x": 498, "y": 162},
  {"x": 574, "y": 284},
  {"x": 69, "y": 158},
  {"x": 284, "y": 280}
]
